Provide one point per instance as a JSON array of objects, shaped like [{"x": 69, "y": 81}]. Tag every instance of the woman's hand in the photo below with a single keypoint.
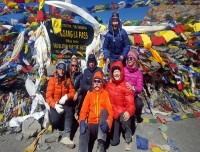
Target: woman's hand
[
  {"x": 126, "y": 115},
  {"x": 130, "y": 87}
]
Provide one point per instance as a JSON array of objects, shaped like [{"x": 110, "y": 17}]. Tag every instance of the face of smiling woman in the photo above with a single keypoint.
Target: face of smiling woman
[
  {"x": 61, "y": 72},
  {"x": 116, "y": 74},
  {"x": 131, "y": 61},
  {"x": 115, "y": 24}
]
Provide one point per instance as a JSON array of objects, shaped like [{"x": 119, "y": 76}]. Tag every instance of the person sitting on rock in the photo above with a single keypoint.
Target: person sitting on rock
[
  {"x": 134, "y": 81},
  {"x": 96, "y": 116},
  {"x": 116, "y": 44},
  {"x": 59, "y": 94},
  {"x": 122, "y": 103},
  {"x": 76, "y": 78}
]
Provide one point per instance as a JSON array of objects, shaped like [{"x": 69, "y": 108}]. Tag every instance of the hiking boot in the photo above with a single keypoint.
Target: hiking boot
[
  {"x": 67, "y": 142},
  {"x": 139, "y": 119},
  {"x": 101, "y": 146},
  {"x": 128, "y": 146}
]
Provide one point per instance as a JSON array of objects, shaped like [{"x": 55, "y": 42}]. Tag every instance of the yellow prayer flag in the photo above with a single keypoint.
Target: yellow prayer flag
[
  {"x": 56, "y": 24},
  {"x": 196, "y": 27},
  {"x": 145, "y": 120},
  {"x": 146, "y": 40},
  {"x": 157, "y": 57},
  {"x": 41, "y": 4},
  {"x": 157, "y": 149}
]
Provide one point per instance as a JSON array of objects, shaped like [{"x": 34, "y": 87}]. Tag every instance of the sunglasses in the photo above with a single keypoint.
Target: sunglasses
[
  {"x": 97, "y": 81},
  {"x": 73, "y": 65},
  {"x": 129, "y": 58}
]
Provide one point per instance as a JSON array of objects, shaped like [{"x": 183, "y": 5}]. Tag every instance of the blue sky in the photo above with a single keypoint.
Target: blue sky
[{"x": 126, "y": 13}]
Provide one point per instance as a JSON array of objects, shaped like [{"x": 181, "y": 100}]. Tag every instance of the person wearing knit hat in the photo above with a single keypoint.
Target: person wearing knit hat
[
  {"x": 59, "y": 94},
  {"x": 88, "y": 73},
  {"x": 134, "y": 80},
  {"x": 116, "y": 43},
  {"x": 61, "y": 69}
]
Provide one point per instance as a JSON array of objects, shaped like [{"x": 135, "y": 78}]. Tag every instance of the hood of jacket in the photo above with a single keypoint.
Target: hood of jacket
[
  {"x": 98, "y": 75},
  {"x": 120, "y": 65},
  {"x": 110, "y": 28}
]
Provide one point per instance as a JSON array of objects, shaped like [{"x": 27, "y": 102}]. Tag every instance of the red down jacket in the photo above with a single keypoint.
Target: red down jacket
[{"x": 121, "y": 97}]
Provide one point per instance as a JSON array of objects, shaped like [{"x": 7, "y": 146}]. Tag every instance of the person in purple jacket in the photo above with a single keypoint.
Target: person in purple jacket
[{"x": 134, "y": 81}]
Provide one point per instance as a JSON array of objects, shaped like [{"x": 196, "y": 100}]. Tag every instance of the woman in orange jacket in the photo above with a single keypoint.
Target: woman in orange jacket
[
  {"x": 58, "y": 95},
  {"x": 96, "y": 116}
]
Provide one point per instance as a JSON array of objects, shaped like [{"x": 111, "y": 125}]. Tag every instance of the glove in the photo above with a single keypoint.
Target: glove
[
  {"x": 59, "y": 108},
  {"x": 83, "y": 127},
  {"x": 104, "y": 126},
  {"x": 63, "y": 99},
  {"x": 107, "y": 60}
]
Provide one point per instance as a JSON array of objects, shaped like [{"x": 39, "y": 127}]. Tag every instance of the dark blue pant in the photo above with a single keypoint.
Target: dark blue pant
[
  {"x": 93, "y": 132},
  {"x": 62, "y": 121},
  {"x": 138, "y": 105},
  {"x": 126, "y": 128},
  {"x": 79, "y": 102}
]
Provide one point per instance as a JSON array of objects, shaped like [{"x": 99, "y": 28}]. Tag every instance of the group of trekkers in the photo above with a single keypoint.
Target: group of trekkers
[{"x": 103, "y": 108}]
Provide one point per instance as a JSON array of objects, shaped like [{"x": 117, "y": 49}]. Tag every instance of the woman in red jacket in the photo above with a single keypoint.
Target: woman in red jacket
[
  {"x": 122, "y": 103},
  {"x": 58, "y": 95}
]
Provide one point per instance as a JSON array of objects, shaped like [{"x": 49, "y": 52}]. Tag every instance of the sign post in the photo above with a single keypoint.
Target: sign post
[{"x": 72, "y": 37}]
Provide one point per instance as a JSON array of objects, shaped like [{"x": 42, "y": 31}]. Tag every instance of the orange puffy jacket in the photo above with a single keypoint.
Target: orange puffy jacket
[
  {"x": 94, "y": 102},
  {"x": 57, "y": 88}
]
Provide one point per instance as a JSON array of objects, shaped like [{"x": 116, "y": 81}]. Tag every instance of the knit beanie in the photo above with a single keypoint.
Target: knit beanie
[
  {"x": 91, "y": 58},
  {"x": 132, "y": 53},
  {"x": 61, "y": 65}
]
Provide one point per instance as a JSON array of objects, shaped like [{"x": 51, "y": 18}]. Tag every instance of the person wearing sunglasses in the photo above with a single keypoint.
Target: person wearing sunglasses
[
  {"x": 116, "y": 43},
  {"x": 134, "y": 81},
  {"x": 96, "y": 116},
  {"x": 122, "y": 103},
  {"x": 59, "y": 94},
  {"x": 76, "y": 77}
]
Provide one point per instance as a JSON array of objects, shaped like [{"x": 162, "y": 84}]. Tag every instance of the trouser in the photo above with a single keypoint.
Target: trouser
[
  {"x": 93, "y": 132},
  {"x": 126, "y": 128},
  {"x": 79, "y": 102},
  {"x": 62, "y": 121},
  {"x": 138, "y": 105}
]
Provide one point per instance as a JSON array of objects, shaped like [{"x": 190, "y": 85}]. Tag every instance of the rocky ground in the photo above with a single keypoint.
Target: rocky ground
[
  {"x": 184, "y": 134},
  {"x": 180, "y": 13}
]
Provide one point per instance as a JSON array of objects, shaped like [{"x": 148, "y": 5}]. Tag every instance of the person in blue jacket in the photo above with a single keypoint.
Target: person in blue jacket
[
  {"x": 116, "y": 43},
  {"x": 89, "y": 73}
]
